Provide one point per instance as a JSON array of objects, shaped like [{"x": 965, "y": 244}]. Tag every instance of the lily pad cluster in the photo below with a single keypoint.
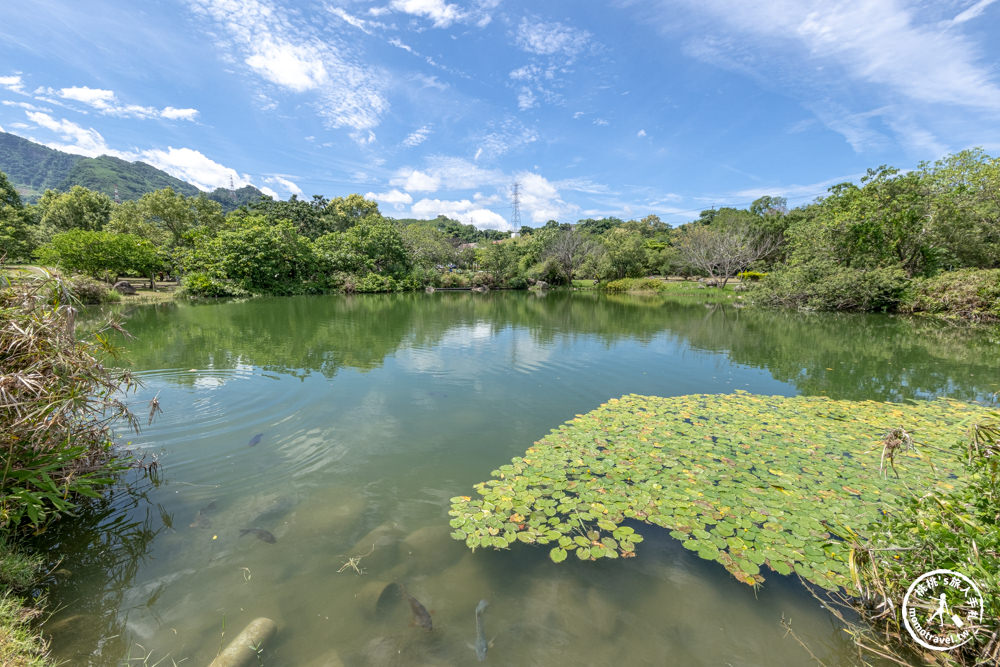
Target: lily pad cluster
[{"x": 745, "y": 480}]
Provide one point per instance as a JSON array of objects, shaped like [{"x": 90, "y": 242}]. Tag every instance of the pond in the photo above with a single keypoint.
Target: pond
[{"x": 338, "y": 427}]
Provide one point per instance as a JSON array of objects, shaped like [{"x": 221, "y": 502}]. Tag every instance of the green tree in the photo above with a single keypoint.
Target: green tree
[
  {"x": 259, "y": 256},
  {"x": 345, "y": 212},
  {"x": 79, "y": 208},
  {"x": 15, "y": 235},
  {"x": 101, "y": 254},
  {"x": 373, "y": 245},
  {"x": 427, "y": 246},
  {"x": 624, "y": 254},
  {"x": 499, "y": 260}
]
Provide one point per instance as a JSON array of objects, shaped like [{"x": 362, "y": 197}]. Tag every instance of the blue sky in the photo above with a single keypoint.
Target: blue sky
[{"x": 622, "y": 108}]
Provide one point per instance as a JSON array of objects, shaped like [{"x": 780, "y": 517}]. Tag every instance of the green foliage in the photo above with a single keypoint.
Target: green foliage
[
  {"x": 373, "y": 244},
  {"x": 454, "y": 279},
  {"x": 101, "y": 254},
  {"x": 343, "y": 213},
  {"x": 257, "y": 256},
  {"x": 374, "y": 282},
  {"x": 90, "y": 291},
  {"x": 751, "y": 276},
  {"x": 624, "y": 255},
  {"x": 971, "y": 294},
  {"x": 744, "y": 480},
  {"x": 20, "y": 644},
  {"x": 954, "y": 526},
  {"x": 822, "y": 285},
  {"x": 59, "y": 404},
  {"x": 636, "y": 285},
  {"x": 499, "y": 260},
  {"x": 15, "y": 235},
  {"x": 199, "y": 283},
  {"x": 77, "y": 209}
]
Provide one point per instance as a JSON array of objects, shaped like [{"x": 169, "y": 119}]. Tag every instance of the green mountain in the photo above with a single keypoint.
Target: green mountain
[
  {"x": 33, "y": 169},
  {"x": 133, "y": 179}
]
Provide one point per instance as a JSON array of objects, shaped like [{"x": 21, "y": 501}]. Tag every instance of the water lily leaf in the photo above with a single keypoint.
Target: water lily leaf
[
  {"x": 741, "y": 479},
  {"x": 557, "y": 555}
]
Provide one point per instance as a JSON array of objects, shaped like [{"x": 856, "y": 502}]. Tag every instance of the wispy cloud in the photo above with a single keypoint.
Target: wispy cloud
[
  {"x": 284, "y": 183},
  {"x": 106, "y": 102},
  {"x": 285, "y": 50},
  {"x": 526, "y": 99},
  {"x": 548, "y": 39},
  {"x": 973, "y": 11},
  {"x": 439, "y": 12},
  {"x": 417, "y": 137},
  {"x": 876, "y": 42},
  {"x": 74, "y": 138},
  {"x": 13, "y": 83}
]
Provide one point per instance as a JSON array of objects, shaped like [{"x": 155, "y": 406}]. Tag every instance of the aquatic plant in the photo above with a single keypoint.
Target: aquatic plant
[{"x": 745, "y": 480}]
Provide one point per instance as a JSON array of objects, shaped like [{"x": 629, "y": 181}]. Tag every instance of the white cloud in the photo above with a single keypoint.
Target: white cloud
[
  {"x": 438, "y": 11},
  {"x": 417, "y": 137},
  {"x": 13, "y": 83},
  {"x": 549, "y": 39},
  {"x": 526, "y": 99},
  {"x": 25, "y": 105},
  {"x": 400, "y": 45},
  {"x": 77, "y": 139},
  {"x": 106, "y": 102},
  {"x": 393, "y": 198},
  {"x": 879, "y": 43},
  {"x": 540, "y": 198},
  {"x": 95, "y": 97},
  {"x": 505, "y": 136},
  {"x": 640, "y": 133},
  {"x": 413, "y": 180},
  {"x": 194, "y": 167},
  {"x": 296, "y": 66},
  {"x": 973, "y": 11},
  {"x": 288, "y": 185},
  {"x": 286, "y": 50},
  {"x": 462, "y": 210},
  {"x": 358, "y": 23},
  {"x": 173, "y": 113},
  {"x": 269, "y": 192}
]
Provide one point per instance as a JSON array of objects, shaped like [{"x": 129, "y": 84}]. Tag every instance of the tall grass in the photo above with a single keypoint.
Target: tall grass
[{"x": 58, "y": 403}]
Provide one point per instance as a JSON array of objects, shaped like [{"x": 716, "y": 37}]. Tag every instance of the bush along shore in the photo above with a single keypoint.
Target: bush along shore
[{"x": 58, "y": 404}]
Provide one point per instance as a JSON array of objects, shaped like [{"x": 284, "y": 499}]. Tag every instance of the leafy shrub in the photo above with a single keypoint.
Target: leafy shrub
[
  {"x": 518, "y": 282},
  {"x": 454, "y": 280},
  {"x": 375, "y": 282},
  {"x": 90, "y": 291},
  {"x": 750, "y": 276},
  {"x": 198, "y": 283},
  {"x": 635, "y": 284},
  {"x": 823, "y": 285},
  {"x": 972, "y": 294},
  {"x": 481, "y": 279},
  {"x": 547, "y": 270}
]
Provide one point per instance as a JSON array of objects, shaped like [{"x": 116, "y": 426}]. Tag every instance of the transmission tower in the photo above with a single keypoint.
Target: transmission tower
[
  {"x": 118, "y": 200},
  {"x": 515, "y": 216}
]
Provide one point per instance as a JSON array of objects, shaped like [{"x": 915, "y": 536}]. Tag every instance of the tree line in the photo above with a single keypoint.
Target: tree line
[{"x": 861, "y": 246}]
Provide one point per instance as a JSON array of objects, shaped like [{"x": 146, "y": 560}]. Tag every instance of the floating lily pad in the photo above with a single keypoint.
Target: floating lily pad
[{"x": 748, "y": 481}]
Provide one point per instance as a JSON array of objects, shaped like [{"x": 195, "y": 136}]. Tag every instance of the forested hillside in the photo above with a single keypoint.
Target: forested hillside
[{"x": 32, "y": 169}]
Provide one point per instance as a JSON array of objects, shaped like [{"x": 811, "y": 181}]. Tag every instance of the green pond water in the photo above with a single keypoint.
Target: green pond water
[{"x": 374, "y": 410}]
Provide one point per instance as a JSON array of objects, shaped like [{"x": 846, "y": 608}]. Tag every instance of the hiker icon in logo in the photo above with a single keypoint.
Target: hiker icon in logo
[{"x": 957, "y": 604}]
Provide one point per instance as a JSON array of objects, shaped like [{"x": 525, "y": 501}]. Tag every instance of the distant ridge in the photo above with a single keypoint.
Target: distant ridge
[{"x": 33, "y": 169}]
